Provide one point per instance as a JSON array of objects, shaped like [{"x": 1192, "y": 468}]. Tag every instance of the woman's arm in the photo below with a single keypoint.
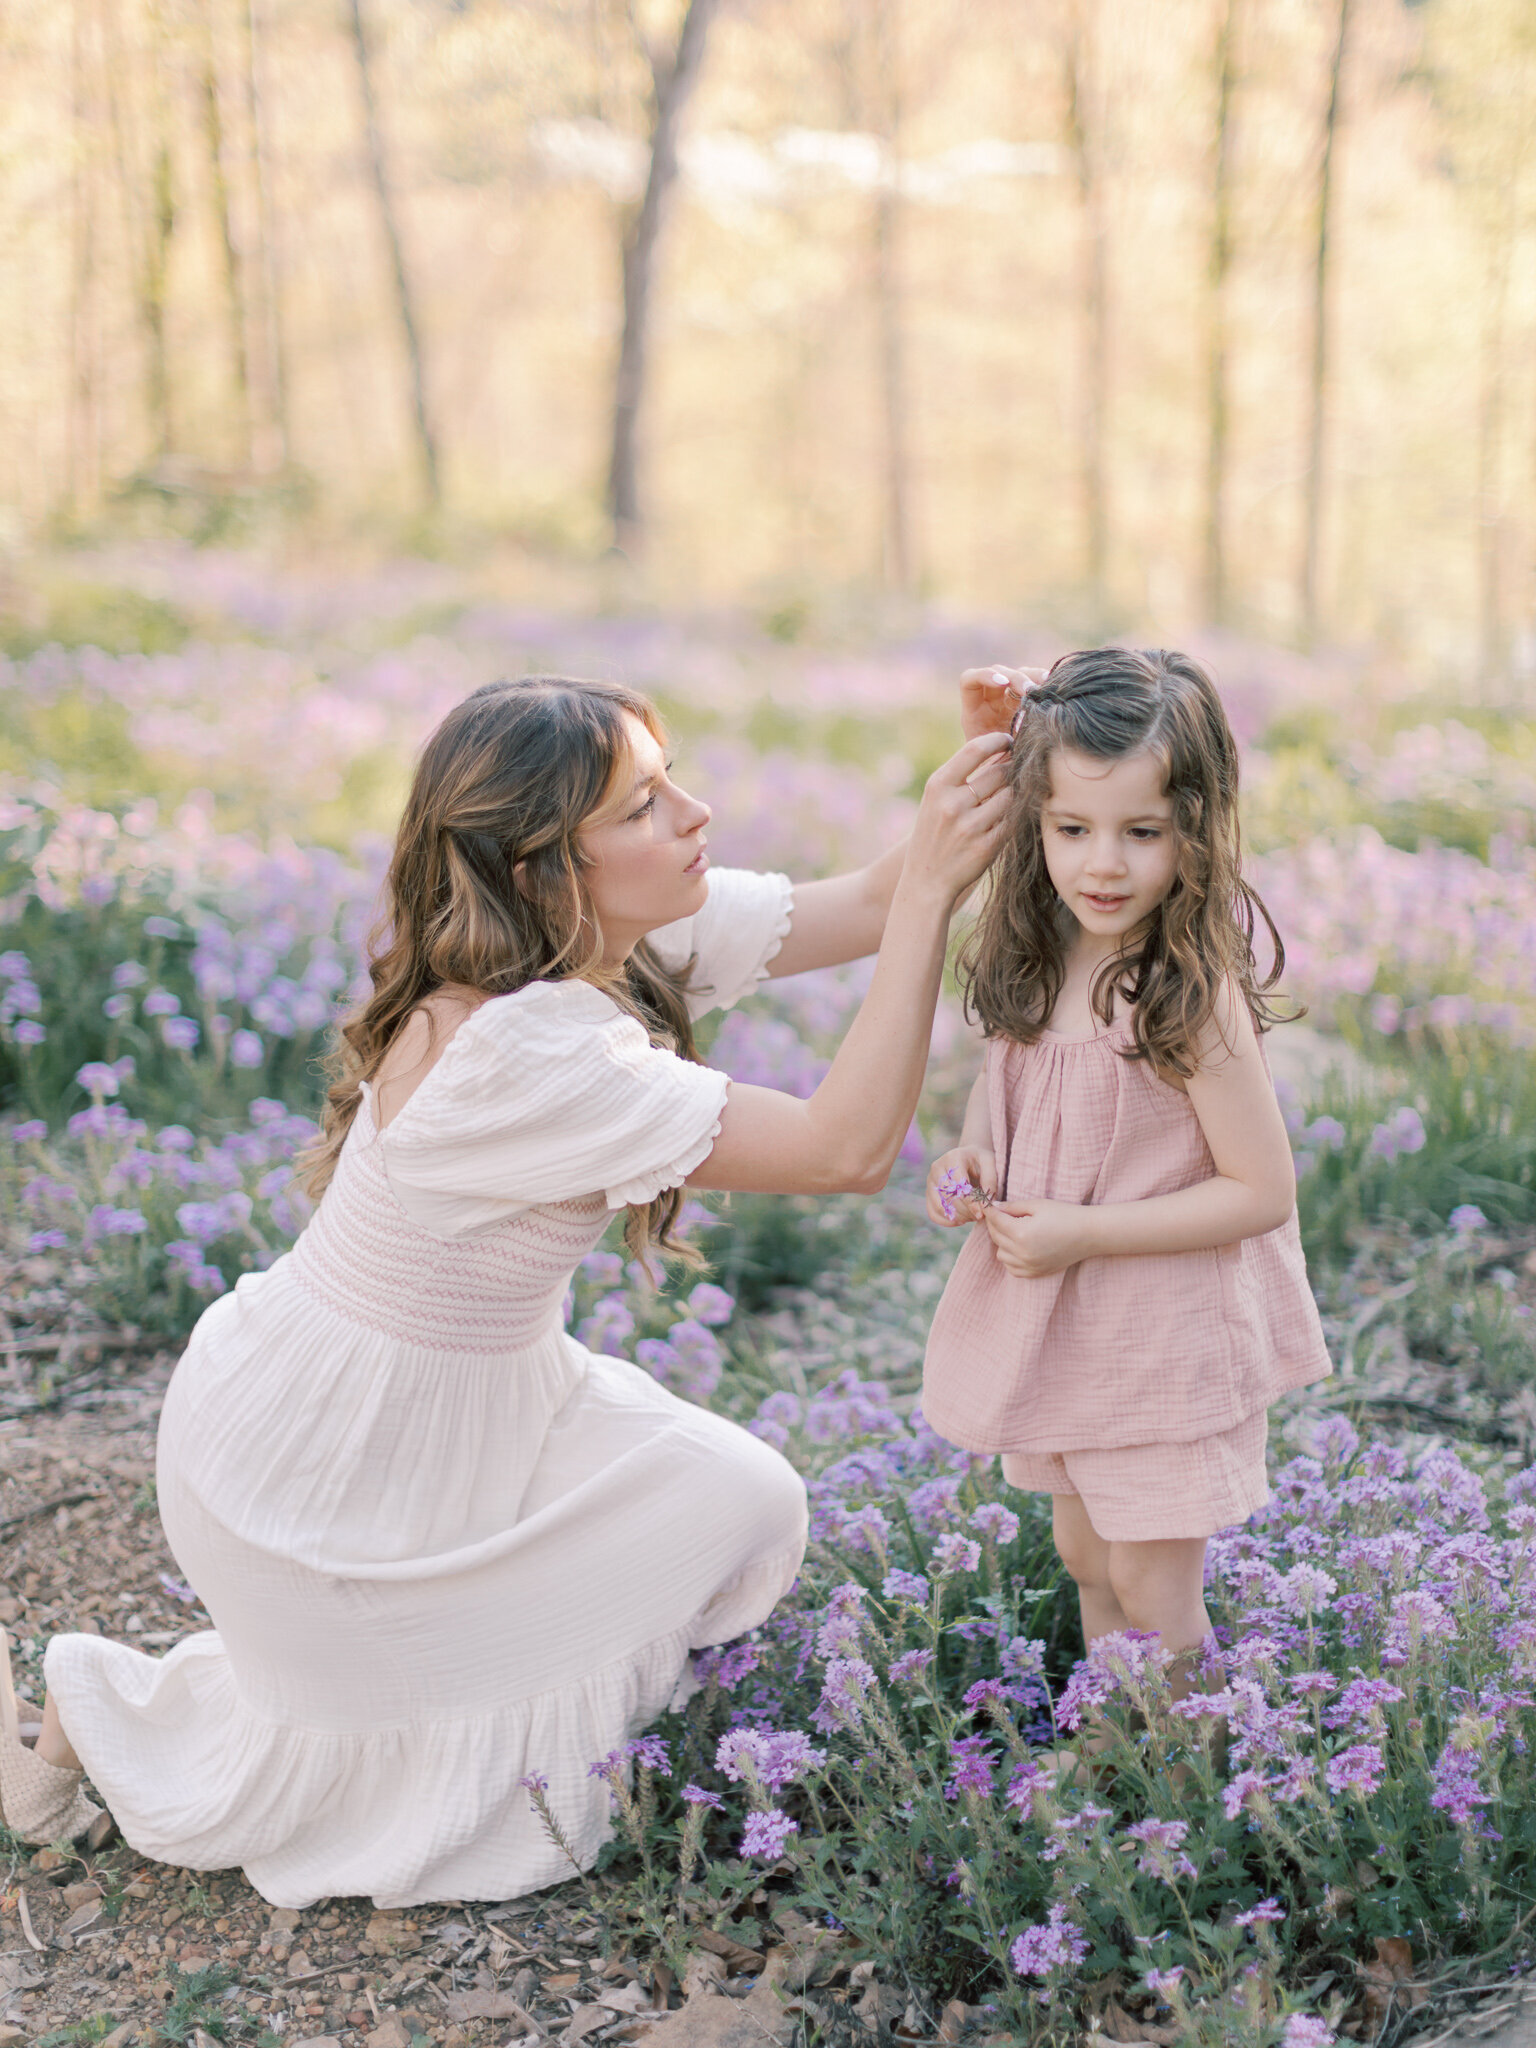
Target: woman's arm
[
  {"x": 843, "y": 917},
  {"x": 1252, "y": 1191},
  {"x": 847, "y": 1135}
]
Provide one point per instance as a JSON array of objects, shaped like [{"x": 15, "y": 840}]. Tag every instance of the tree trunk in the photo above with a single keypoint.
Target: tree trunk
[
  {"x": 269, "y": 448},
  {"x": 1219, "y": 263},
  {"x": 896, "y": 551},
  {"x": 1492, "y": 635},
  {"x": 426, "y": 442},
  {"x": 83, "y": 428},
  {"x": 229, "y": 249},
  {"x": 672, "y": 84},
  {"x": 1085, "y": 146},
  {"x": 149, "y": 216},
  {"x": 1322, "y": 279}
]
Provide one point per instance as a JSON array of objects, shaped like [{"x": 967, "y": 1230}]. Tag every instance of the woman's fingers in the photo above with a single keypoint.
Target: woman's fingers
[{"x": 964, "y": 762}]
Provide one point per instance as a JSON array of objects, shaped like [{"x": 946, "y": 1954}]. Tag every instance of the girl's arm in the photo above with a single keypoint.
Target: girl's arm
[
  {"x": 973, "y": 1158},
  {"x": 847, "y": 1136},
  {"x": 1252, "y": 1191}
]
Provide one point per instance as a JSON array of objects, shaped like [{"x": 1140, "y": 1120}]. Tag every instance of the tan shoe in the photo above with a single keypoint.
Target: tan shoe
[{"x": 39, "y": 1801}]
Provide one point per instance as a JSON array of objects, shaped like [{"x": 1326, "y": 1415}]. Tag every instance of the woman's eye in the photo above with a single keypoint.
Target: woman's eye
[
  {"x": 645, "y": 809},
  {"x": 1146, "y": 832}
]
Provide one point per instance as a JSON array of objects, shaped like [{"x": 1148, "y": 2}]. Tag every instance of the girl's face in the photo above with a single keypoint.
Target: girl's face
[
  {"x": 1109, "y": 840},
  {"x": 646, "y": 851}
]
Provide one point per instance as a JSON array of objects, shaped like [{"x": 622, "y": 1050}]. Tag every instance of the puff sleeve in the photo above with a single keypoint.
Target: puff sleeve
[
  {"x": 543, "y": 1096},
  {"x": 736, "y": 934}
]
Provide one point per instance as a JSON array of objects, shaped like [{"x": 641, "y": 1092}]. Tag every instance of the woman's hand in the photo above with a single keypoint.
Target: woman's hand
[
  {"x": 973, "y": 1163},
  {"x": 960, "y": 819},
  {"x": 1032, "y": 1239},
  {"x": 990, "y": 696}
]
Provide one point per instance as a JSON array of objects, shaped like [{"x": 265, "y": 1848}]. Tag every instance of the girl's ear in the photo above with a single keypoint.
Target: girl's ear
[{"x": 520, "y": 877}]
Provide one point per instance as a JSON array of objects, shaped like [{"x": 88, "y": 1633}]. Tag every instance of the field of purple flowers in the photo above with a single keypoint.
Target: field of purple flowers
[{"x": 201, "y": 759}]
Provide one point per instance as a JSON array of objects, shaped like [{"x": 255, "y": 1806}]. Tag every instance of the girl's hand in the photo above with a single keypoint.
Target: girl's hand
[
  {"x": 959, "y": 822},
  {"x": 1032, "y": 1239},
  {"x": 990, "y": 696},
  {"x": 971, "y": 1162}
]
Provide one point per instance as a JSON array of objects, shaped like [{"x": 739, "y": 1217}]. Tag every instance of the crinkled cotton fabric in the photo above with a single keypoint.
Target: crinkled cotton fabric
[
  {"x": 1152, "y": 1493},
  {"x": 444, "y": 1547},
  {"x": 1146, "y": 1349}
]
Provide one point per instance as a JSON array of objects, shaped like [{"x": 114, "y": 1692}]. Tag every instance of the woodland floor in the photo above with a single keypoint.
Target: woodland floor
[{"x": 112, "y": 1948}]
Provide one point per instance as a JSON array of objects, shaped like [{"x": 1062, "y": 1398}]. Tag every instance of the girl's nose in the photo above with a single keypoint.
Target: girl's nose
[{"x": 696, "y": 814}]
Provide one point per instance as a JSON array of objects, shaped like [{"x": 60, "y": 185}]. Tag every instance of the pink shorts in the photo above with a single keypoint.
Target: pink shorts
[{"x": 1145, "y": 1493}]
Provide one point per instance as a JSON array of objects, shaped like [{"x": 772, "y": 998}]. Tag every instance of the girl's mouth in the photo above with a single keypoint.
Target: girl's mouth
[
  {"x": 1104, "y": 903},
  {"x": 699, "y": 865}
]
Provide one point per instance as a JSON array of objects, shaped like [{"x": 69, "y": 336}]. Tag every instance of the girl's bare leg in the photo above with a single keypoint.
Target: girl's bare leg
[
  {"x": 1088, "y": 1560},
  {"x": 1161, "y": 1587}
]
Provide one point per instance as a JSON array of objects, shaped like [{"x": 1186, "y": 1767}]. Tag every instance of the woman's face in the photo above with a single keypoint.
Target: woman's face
[{"x": 646, "y": 851}]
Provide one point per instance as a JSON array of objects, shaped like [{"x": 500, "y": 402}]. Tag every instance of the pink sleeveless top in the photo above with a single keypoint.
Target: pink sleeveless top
[{"x": 1151, "y": 1348}]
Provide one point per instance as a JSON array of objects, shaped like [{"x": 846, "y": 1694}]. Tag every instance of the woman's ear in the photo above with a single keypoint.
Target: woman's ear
[{"x": 520, "y": 877}]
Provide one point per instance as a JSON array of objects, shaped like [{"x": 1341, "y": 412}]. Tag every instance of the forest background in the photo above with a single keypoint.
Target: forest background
[{"x": 1114, "y": 312}]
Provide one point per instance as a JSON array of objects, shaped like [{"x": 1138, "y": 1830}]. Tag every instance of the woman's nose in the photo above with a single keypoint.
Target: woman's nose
[{"x": 695, "y": 816}]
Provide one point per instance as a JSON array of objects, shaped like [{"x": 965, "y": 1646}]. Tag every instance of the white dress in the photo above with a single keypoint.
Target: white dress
[{"x": 443, "y": 1545}]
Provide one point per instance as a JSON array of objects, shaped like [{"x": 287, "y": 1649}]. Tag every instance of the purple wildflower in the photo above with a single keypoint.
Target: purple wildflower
[
  {"x": 906, "y": 1586},
  {"x": 955, "y": 1553},
  {"x": 1305, "y": 2030},
  {"x": 695, "y": 1795},
  {"x": 842, "y": 1693},
  {"x": 973, "y": 1759},
  {"x": 992, "y": 1519},
  {"x": 766, "y": 1834},
  {"x": 1267, "y": 1913},
  {"x": 711, "y": 1305},
  {"x": 1053, "y": 1944},
  {"x": 1357, "y": 1769},
  {"x": 909, "y": 1665}
]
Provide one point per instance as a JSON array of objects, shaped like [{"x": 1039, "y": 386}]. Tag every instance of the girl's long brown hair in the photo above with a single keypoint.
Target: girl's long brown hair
[
  {"x": 1110, "y": 702},
  {"x": 511, "y": 776}
]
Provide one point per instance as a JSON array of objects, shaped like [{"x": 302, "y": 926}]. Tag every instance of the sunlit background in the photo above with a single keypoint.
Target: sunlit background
[{"x": 1109, "y": 314}]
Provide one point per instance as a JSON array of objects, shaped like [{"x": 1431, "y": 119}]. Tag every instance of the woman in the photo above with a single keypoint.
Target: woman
[{"x": 444, "y": 1547}]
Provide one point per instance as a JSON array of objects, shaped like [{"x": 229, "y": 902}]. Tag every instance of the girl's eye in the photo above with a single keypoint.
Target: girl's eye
[
  {"x": 645, "y": 809},
  {"x": 1146, "y": 832}
]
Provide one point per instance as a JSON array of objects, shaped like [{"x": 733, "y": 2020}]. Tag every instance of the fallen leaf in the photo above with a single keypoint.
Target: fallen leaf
[
  {"x": 626, "y": 1998},
  {"x": 704, "y": 1975},
  {"x": 26, "y": 1923},
  {"x": 586, "y": 2019},
  {"x": 489, "y": 2005},
  {"x": 736, "y": 1953},
  {"x": 1387, "y": 1983}
]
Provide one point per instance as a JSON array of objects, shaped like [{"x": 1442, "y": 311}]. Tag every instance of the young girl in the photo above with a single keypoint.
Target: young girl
[{"x": 1132, "y": 1296}]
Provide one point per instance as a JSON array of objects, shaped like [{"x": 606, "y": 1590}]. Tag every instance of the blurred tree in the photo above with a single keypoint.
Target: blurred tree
[
  {"x": 146, "y": 190},
  {"x": 1482, "y": 66},
  {"x": 82, "y": 414},
  {"x": 405, "y": 305},
  {"x": 269, "y": 448},
  {"x": 1218, "y": 266},
  {"x": 1320, "y": 366},
  {"x": 212, "y": 126},
  {"x": 674, "y": 72},
  {"x": 1085, "y": 124}
]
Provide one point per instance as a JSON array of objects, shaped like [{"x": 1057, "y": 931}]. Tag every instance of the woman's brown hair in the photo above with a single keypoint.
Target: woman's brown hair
[
  {"x": 1108, "y": 703},
  {"x": 508, "y": 780}
]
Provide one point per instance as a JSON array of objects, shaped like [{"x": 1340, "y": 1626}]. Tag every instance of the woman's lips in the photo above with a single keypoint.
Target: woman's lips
[
  {"x": 1104, "y": 902},
  {"x": 699, "y": 865}
]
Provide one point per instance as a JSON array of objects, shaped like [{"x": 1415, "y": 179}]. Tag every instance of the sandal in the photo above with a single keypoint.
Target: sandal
[{"x": 39, "y": 1802}]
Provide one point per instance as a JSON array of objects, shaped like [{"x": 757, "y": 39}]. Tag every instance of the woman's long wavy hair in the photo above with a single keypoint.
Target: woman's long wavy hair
[
  {"x": 508, "y": 780},
  {"x": 1109, "y": 703}
]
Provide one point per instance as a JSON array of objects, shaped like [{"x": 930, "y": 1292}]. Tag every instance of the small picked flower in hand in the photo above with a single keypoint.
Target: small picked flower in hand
[{"x": 952, "y": 1188}]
